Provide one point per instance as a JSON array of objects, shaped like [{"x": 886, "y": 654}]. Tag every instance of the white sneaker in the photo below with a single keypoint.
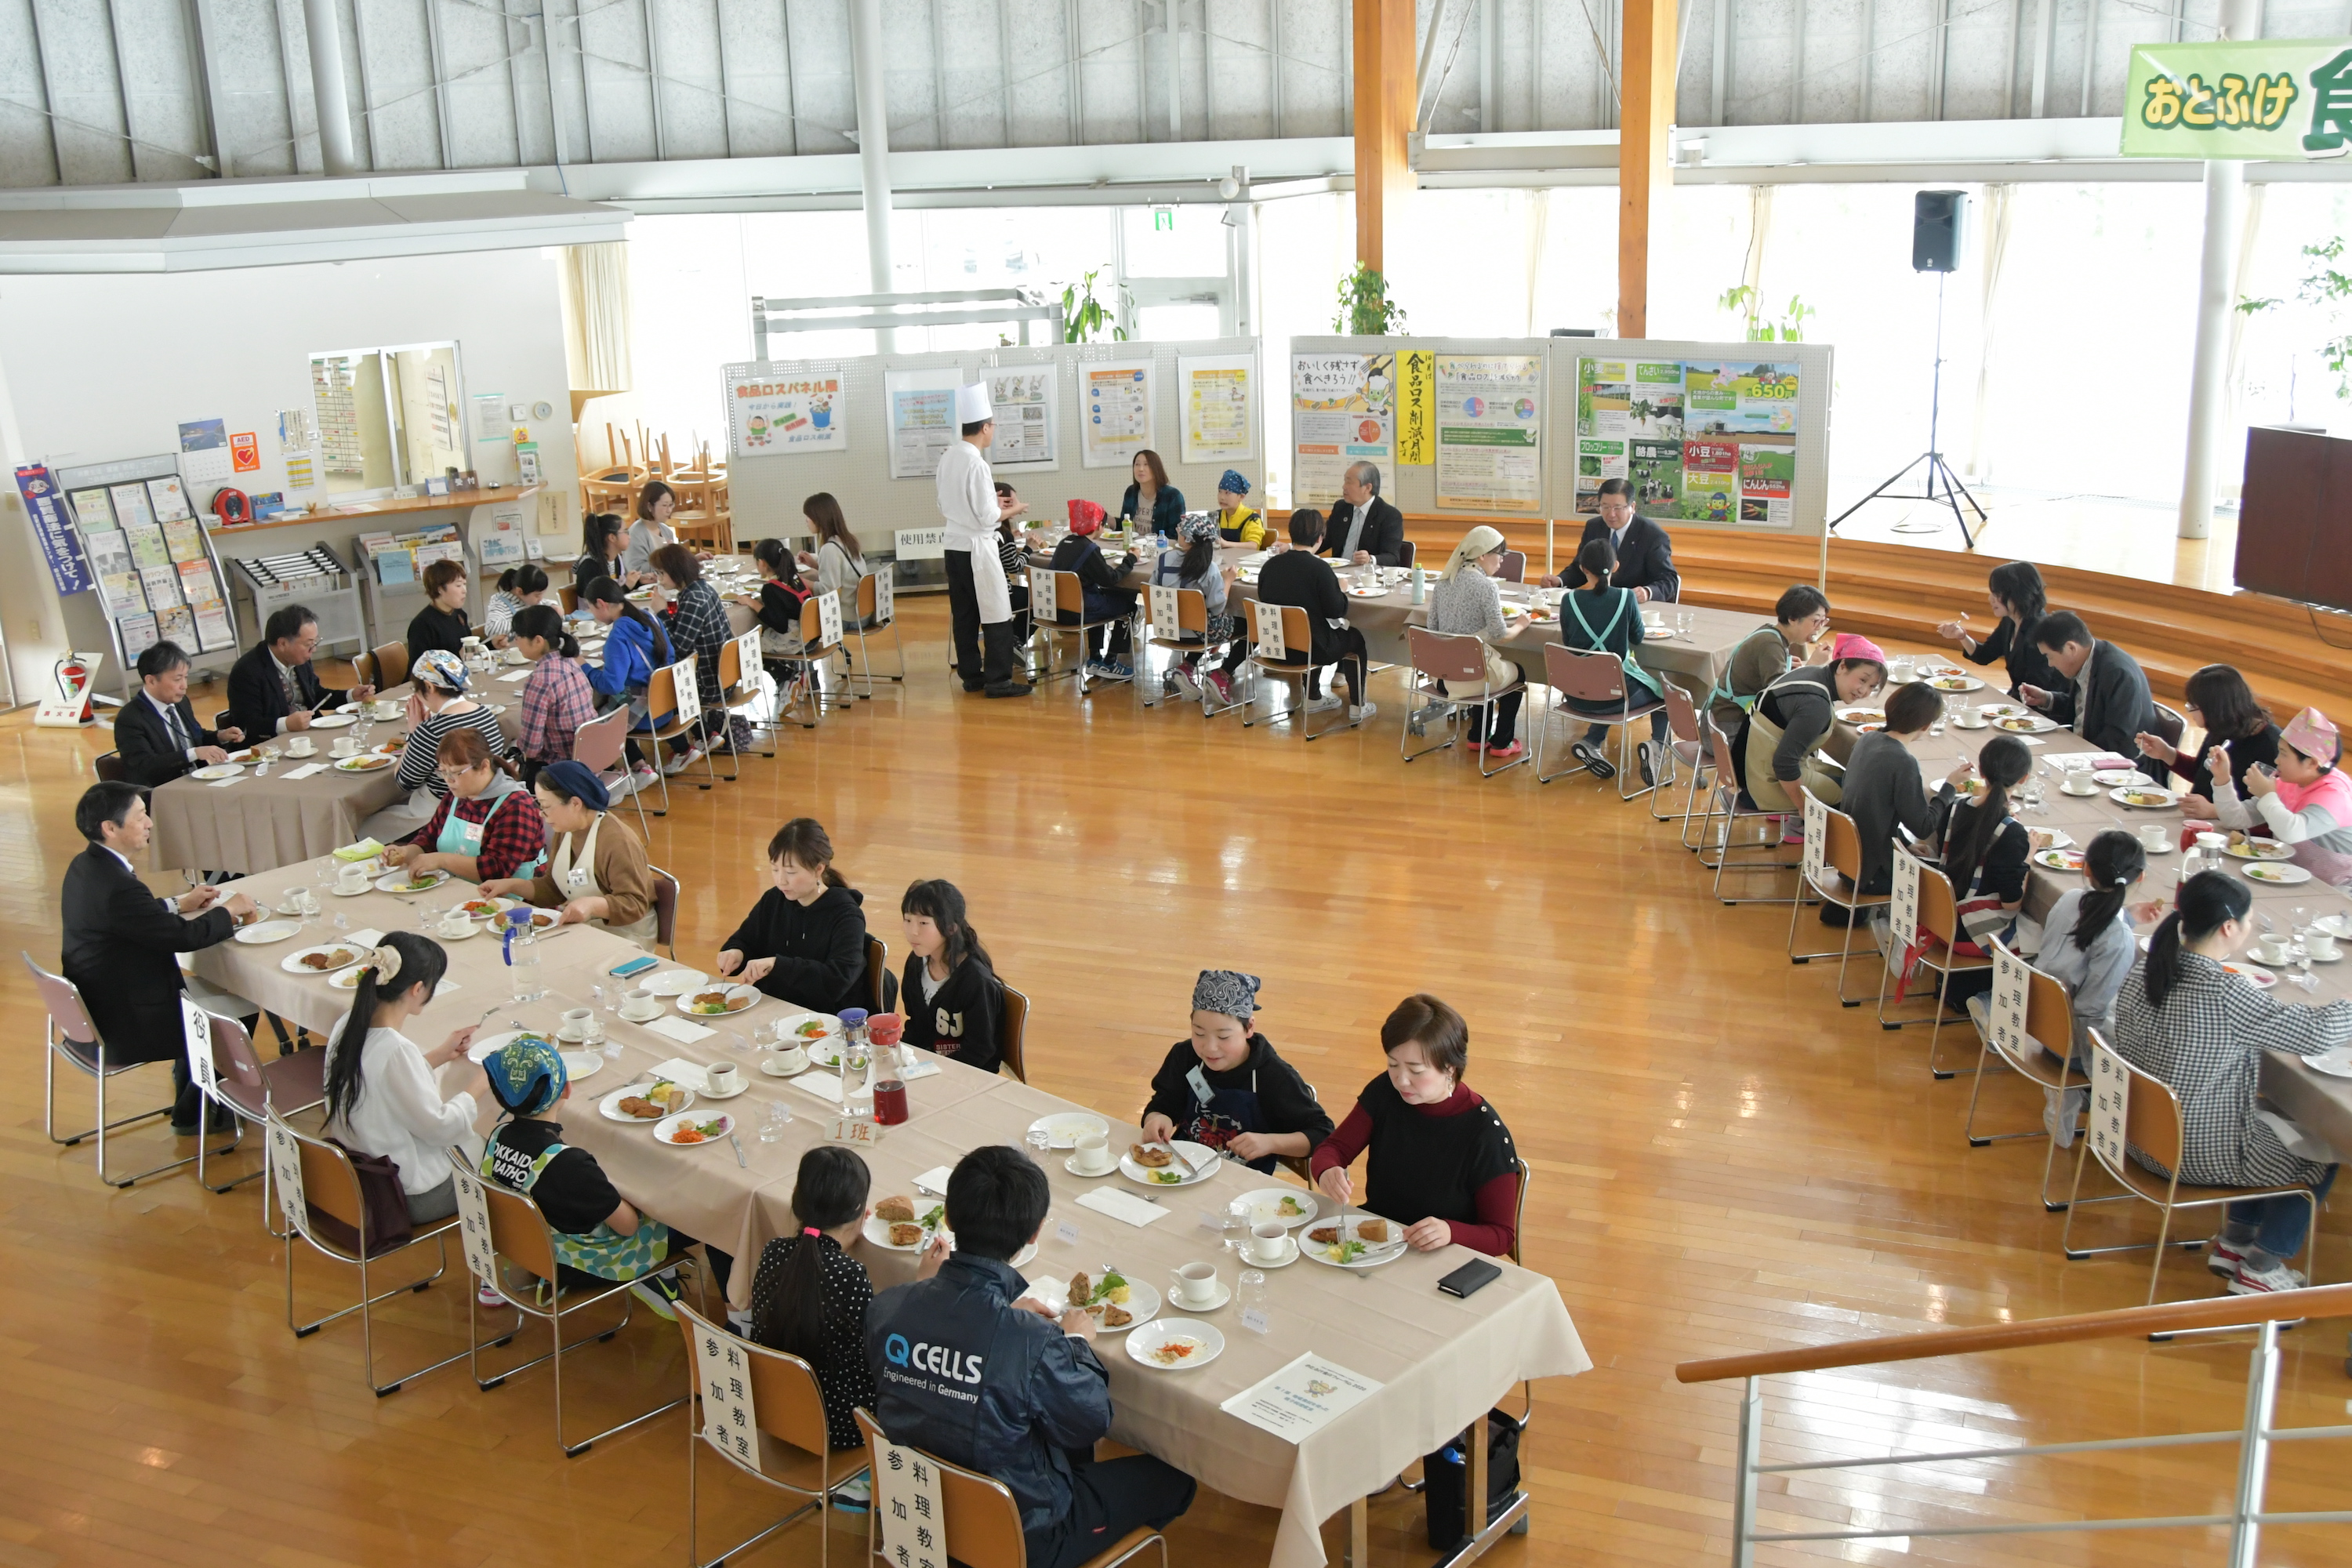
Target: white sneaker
[
  {"x": 1181, "y": 683},
  {"x": 683, "y": 761},
  {"x": 1361, "y": 715},
  {"x": 1323, "y": 704},
  {"x": 2252, "y": 1281}
]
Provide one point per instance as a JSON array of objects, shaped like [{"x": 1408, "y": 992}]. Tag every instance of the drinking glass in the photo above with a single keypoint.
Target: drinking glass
[
  {"x": 1039, "y": 1140},
  {"x": 429, "y": 915},
  {"x": 1250, "y": 1292},
  {"x": 772, "y": 1125},
  {"x": 1683, "y": 622}
]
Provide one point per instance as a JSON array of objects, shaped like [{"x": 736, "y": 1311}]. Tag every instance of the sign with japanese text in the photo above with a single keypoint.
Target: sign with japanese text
[
  {"x": 474, "y": 1221},
  {"x": 1343, "y": 410},
  {"x": 1903, "y": 909},
  {"x": 2005, "y": 1008},
  {"x": 723, "y": 1369},
  {"x": 2110, "y": 1106},
  {"x": 774, "y": 409},
  {"x": 1416, "y": 407},
  {"x": 60, "y": 546},
  {"x": 828, "y": 617},
  {"x": 1817, "y": 842},
  {"x": 907, "y": 1503},
  {"x": 2273, "y": 98}
]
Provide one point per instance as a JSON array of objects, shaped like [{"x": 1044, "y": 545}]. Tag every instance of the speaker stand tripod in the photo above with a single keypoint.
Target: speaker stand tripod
[{"x": 1939, "y": 472}]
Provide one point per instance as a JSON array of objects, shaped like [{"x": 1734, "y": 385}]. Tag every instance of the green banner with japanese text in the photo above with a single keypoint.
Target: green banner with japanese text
[{"x": 2279, "y": 99}]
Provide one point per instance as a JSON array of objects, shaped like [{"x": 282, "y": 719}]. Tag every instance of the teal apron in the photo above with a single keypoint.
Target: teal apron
[
  {"x": 604, "y": 1251},
  {"x": 1723, "y": 693},
  {"x": 1599, "y": 639},
  {"x": 465, "y": 837}
]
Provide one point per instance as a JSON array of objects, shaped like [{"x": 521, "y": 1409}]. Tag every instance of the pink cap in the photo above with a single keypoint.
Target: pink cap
[
  {"x": 1853, "y": 645},
  {"x": 2310, "y": 733}
]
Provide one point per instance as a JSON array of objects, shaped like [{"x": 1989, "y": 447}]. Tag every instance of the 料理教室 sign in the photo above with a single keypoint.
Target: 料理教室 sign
[{"x": 2272, "y": 97}]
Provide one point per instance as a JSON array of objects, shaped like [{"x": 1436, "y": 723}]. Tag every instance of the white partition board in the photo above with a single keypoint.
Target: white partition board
[{"x": 1412, "y": 488}]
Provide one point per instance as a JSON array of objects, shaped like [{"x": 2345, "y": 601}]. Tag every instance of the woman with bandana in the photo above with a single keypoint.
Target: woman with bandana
[
  {"x": 595, "y": 871},
  {"x": 600, "y": 1237},
  {"x": 1225, "y": 1089},
  {"x": 1195, "y": 566}
]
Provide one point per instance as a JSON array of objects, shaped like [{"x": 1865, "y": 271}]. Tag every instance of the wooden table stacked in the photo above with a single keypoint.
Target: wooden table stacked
[{"x": 1441, "y": 1361}]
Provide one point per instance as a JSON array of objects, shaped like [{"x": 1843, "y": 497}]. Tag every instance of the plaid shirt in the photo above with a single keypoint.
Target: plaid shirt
[
  {"x": 556, "y": 700},
  {"x": 697, "y": 625},
  {"x": 512, "y": 842},
  {"x": 2206, "y": 1043}
]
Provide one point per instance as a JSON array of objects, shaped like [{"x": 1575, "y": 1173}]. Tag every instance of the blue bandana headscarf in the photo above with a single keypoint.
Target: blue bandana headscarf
[
  {"x": 526, "y": 1074},
  {"x": 1232, "y": 480},
  {"x": 441, "y": 668},
  {"x": 1225, "y": 991}
]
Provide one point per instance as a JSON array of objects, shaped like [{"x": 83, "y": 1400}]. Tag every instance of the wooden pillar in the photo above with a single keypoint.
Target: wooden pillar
[
  {"x": 1387, "y": 96},
  {"x": 1644, "y": 165}
]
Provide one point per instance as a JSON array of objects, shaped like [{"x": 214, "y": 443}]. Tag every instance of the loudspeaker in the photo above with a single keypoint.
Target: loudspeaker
[{"x": 1936, "y": 230}]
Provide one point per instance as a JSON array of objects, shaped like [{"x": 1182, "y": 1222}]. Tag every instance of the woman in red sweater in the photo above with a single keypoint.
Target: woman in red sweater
[{"x": 1441, "y": 1162}]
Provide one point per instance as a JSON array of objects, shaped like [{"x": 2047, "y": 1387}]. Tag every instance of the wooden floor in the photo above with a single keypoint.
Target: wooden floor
[{"x": 1724, "y": 1161}]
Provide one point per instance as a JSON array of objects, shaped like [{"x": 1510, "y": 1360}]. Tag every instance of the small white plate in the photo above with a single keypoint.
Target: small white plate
[
  {"x": 1145, "y": 1175},
  {"x": 365, "y": 763},
  {"x": 2275, "y": 874},
  {"x": 877, "y": 1230},
  {"x": 1263, "y": 1205},
  {"x": 478, "y": 908},
  {"x": 464, "y": 929},
  {"x": 483, "y": 1045},
  {"x": 578, "y": 1065},
  {"x": 2263, "y": 978},
  {"x": 338, "y": 720},
  {"x": 2023, "y": 724},
  {"x": 2059, "y": 859},
  {"x": 268, "y": 931},
  {"x": 1064, "y": 1128},
  {"x": 1289, "y": 1256},
  {"x": 750, "y": 995},
  {"x": 1955, "y": 683},
  {"x": 1217, "y": 1298},
  {"x": 774, "y": 1067},
  {"x": 1144, "y": 1344},
  {"x": 346, "y": 979},
  {"x": 398, "y": 882},
  {"x": 1371, "y": 1257},
  {"x": 2258, "y": 849},
  {"x": 2121, "y": 796},
  {"x": 292, "y": 963},
  {"x": 218, "y": 770},
  {"x": 1143, "y": 1302},
  {"x": 2113, "y": 776},
  {"x": 674, "y": 981},
  {"x": 797, "y": 1023},
  {"x": 2335, "y": 1063},
  {"x": 723, "y": 1124},
  {"x": 1071, "y": 1165},
  {"x": 744, "y": 1082},
  {"x": 2051, "y": 838},
  {"x": 610, "y": 1105},
  {"x": 2337, "y": 926}
]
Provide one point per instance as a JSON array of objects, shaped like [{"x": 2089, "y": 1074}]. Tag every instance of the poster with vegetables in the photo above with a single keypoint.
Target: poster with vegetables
[
  {"x": 1342, "y": 411},
  {"x": 1710, "y": 481},
  {"x": 1767, "y": 482},
  {"x": 1729, "y": 398}
]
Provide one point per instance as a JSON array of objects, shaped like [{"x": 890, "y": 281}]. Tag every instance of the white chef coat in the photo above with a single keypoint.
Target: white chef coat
[{"x": 967, "y": 494}]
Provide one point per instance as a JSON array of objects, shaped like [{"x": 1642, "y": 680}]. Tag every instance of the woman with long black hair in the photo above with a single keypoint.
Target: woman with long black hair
[
  {"x": 948, "y": 990},
  {"x": 600, "y": 553},
  {"x": 2018, "y": 600},
  {"x": 381, "y": 1094},
  {"x": 2217, "y": 700},
  {"x": 2202, "y": 1030},
  {"x": 804, "y": 941},
  {"x": 635, "y": 647}
]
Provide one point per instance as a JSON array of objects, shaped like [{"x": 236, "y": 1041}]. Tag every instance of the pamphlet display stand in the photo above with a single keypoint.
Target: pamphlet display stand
[{"x": 158, "y": 575}]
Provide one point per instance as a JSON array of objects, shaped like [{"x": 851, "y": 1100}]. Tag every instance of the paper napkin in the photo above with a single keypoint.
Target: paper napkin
[{"x": 1121, "y": 1205}]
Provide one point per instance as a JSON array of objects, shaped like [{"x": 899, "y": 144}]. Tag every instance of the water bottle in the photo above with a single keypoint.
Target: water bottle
[
  {"x": 857, "y": 1080},
  {"x": 1420, "y": 584},
  {"x": 521, "y": 950}
]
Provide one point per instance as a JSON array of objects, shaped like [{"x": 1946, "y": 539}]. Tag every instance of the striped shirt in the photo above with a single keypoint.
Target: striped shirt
[{"x": 420, "y": 764}]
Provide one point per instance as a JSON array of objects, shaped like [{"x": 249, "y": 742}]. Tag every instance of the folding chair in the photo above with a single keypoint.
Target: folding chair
[
  {"x": 1593, "y": 677},
  {"x": 1832, "y": 870},
  {"x": 1281, "y": 628},
  {"x": 1012, "y": 1033},
  {"x": 881, "y": 985},
  {"x": 2048, "y": 1015},
  {"x": 664, "y": 909},
  {"x": 390, "y": 665},
  {"x": 315, "y": 1177},
  {"x": 674, "y": 689},
  {"x": 1170, "y": 615},
  {"x": 763, "y": 1411},
  {"x": 2172, "y": 726},
  {"x": 1939, "y": 920},
  {"x": 877, "y": 611},
  {"x": 1434, "y": 659},
  {"x": 2150, "y": 1122},
  {"x": 1738, "y": 806},
  {"x": 742, "y": 689},
  {"x": 983, "y": 1527},
  {"x": 363, "y": 669},
  {"x": 819, "y": 643},
  {"x": 73, "y": 1038},
  {"x": 237, "y": 1080},
  {"x": 1515, "y": 566},
  {"x": 601, "y": 746},
  {"x": 1685, "y": 748},
  {"x": 503, "y": 1227},
  {"x": 567, "y": 599},
  {"x": 1049, "y": 591}
]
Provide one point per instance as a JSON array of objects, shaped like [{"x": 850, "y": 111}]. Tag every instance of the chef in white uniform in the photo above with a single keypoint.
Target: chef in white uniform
[{"x": 979, "y": 599}]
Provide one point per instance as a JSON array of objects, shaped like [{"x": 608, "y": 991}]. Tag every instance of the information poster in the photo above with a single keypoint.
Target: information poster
[
  {"x": 1342, "y": 411},
  {"x": 1217, "y": 398},
  {"x": 1115, "y": 412},
  {"x": 1416, "y": 408},
  {"x": 1023, "y": 398},
  {"x": 1489, "y": 419},
  {"x": 1711, "y": 442},
  {"x": 1767, "y": 479},
  {"x": 1604, "y": 427},
  {"x": 1728, "y": 399},
  {"x": 1302, "y": 1398},
  {"x": 1710, "y": 480},
  {"x": 2286, "y": 99},
  {"x": 69, "y": 569},
  {"x": 782, "y": 409},
  {"x": 922, "y": 407}
]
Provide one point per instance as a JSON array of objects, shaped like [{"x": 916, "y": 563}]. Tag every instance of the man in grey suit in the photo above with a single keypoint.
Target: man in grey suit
[{"x": 2107, "y": 703}]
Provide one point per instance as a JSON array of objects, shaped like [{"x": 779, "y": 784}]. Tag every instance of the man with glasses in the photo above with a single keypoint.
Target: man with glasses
[
  {"x": 272, "y": 690},
  {"x": 156, "y": 734}
]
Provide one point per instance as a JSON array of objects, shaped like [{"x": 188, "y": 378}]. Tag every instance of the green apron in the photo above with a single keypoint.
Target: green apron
[
  {"x": 1633, "y": 671},
  {"x": 604, "y": 1251}
]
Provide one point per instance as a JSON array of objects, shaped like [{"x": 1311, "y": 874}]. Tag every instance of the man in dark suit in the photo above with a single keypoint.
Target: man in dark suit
[
  {"x": 156, "y": 734},
  {"x": 1645, "y": 556},
  {"x": 1363, "y": 528},
  {"x": 1299, "y": 576},
  {"x": 272, "y": 690},
  {"x": 2107, "y": 702},
  {"x": 120, "y": 941}
]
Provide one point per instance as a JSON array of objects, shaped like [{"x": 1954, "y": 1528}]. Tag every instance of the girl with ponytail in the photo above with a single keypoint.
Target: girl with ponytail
[
  {"x": 1985, "y": 850},
  {"x": 558, "y": 698},
  {"x": 2089, "y": 948},
  {"x": 636, "y": 648},
  {"x": 381, "y": 1094},
  {"x": 809, "y": 1298},
  {"x": 519, "y": 587},
  {"x": 2202, "y": 1030}
]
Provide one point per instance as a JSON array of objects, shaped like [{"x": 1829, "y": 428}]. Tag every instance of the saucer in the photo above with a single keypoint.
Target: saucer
[
  {"x": 2335, "y": 957},
  {"x": 1289, "y": 1256},
  {"x": 573, "y": 1036},
  {"x": 709, "y": 1093},
  {"x": 1224, "y": 1294},
  {"x": 1964, "y": 724},
  {"x": 1071, "y": 1165},
  {"x": 445, "y": 934},
  {"x": 649, "y": 1018},
  {"x": 342, "y": 892},
  {"x": 773, "y": 1069}
]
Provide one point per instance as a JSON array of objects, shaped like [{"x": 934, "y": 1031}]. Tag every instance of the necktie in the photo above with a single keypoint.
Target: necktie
[
  {"x": 179, "y": 735},
  {"x": 293, "y": 691},
  {"x": 1355, "y": 532}
]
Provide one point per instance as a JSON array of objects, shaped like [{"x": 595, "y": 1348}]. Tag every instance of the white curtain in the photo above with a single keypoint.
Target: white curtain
[
  {"x": 596, "y": 316},
  {"x": 1998, "y": 199}
]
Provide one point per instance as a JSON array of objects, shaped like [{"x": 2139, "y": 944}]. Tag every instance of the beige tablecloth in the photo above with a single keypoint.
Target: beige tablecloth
[
  {"x": 254, "y": 823},
  {"x": 1441, "y": 1361}
]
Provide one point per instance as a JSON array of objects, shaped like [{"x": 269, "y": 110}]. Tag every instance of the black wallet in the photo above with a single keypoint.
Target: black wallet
[{"x": 1470, "y": 1278}]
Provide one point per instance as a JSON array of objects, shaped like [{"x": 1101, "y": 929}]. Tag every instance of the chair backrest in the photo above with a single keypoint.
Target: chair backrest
[
  {"x": 391, "y": 663},
  {"x": 812, "y": 641},
  {"x": 1012, "y": 1031},
  {"x": 567, "y": 598},
  {"x": 2170, "y": 725},
  {"x": 1069, "y": 595},
  {"x": 1405, "y": 554},
  {"x": 599, "y": 744},
  {"x": 2152, "y": 1116},
  {"x": 730, "y": 664},
  {"x": 1442, "y": 655},
  {"x": 877, "y": 970},
  {"x": 1297, "y": 633},
  {"x": 1044, "y": 595},
  {"x": 1586, "y": 676},
  {"x": 1842, "y": 846},
  {"x": 664, "y": 909},
  {"x": 1515, "y": 566},
  {"x": 661, "y": 694},
  {"x": 983, "y": 1521},
  {"x": 1191, "y": 612},
  {"x": 518, "y": 1231},
  {"x": 363, "y": 669},
  {"x": 1719, "y": 745},
  {"x": 234, "y": 1060},
  {"x": 869, "y": 607},
  {"x": 1519, "y": 1217},
  {"x": 1682, "y": 713},
  {"x": 787, "y": 1402},
  {"x": 321, "y": 1179},
  {"x": 1939, "y": 915},
  {"x": 62, "y": 997},
  {"x": 108, "y": 767}
]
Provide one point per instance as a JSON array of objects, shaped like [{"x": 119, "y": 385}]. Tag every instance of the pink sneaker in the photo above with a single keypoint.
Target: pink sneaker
[
  {"x": 1222, "y": 684},
  {"x": 1501, "y": 754},
  {"x": 1792, "y": 830}
]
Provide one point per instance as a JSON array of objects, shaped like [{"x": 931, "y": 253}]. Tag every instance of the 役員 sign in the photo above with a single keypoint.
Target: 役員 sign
[{"x": 2284, "y": 98}]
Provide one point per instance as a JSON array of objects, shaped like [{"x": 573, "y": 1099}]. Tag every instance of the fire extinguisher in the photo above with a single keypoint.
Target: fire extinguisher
[{"x": 74, "y": 677}]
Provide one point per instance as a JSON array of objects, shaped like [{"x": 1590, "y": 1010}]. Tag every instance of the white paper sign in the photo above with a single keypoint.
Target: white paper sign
[
  {"x": 723, "y": 1367},
  {"x": 689, "y": 691},
  {"x": 1164, "y": 617},
  {"x": 286, "y": 1174},
  {"x": 921, "y": 543},
  {"x": 474, "y": 1220},
  {"x": 1817, "y": 841},
  {"x": 1043, "y": 605},
  {"x": 746, "y": 656},
  {"x": 828, "y": 617},
  {"x": 2005, "y": 1008},
  {"x": 2110, "y": 1106},
  {"x": 1253, "y": 1318},
  {"x": 1269, "y": 630},
  {"x": 1065, "y": 1233},
  {"x": 907, "y": 1505},
  {"x": 1302, "y": 1398},
  {"x": 199, "y": 1025},
  {"x": 886, "y": 596},
  {"x": 1903, "y": 904}
]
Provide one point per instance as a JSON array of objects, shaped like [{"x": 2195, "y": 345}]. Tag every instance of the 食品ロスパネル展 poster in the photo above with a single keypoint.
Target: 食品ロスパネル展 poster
[{"x": 775, "y": 409}]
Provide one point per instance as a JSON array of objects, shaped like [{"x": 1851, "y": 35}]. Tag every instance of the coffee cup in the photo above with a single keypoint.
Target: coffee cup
[
  {"x": 792, "y": 1058},
  {"x": 2154, "y": 838},
  {"x": 457, "y": 923},
  {"x": 1195, "y": 1284},
  {"x": 2319, "y": 945},
  {"x": 1092, "y": 1154},
  {"x": 345, "y": 746},
  {"x": 639, "y": 1005},
  {"x": 722, "y": 1078},
  {"x": 352, "y": 878},
  {"x": 2079, "y": 783},
  {"x": 301, "y": 746},
  {"x": 574, "y": 1027},
  {"x": 1267, "y": 1241},
  {"x": 2269, "y": 950}
]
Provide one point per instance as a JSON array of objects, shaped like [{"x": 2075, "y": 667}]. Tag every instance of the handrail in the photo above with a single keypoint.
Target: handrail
[{"x": 2220, "y": 1313}]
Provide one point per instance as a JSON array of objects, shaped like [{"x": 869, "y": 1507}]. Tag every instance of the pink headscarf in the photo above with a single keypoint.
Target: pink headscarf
[
  {"x": 1853, "y": 645},
  {"x": 2310, "y": 733}
]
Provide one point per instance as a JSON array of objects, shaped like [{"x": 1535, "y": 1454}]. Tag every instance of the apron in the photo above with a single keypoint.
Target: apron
[
  {"x": 459, "y": 837},
  {"x": 577, "y": 880},
  {"x": 604, "y": 1252},
  {"x": 1221, "y": 1115},
  {"x": 1723, "y": 693},
  {"x": 2331, "y": 793},
  {"x": 1633, "y": 671},
  {"x": 988, "y": 588},
  {"x": 1826, "y": 780}
]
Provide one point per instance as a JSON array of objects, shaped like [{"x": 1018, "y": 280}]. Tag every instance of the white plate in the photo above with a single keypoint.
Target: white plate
[
  {"x": 1289, "y": 1256},
  {"x": 338, "y": 720},
  {"x": 2113, "y": 776},
  {"x": 2258, "y": 849},
  {"x": 670, "y": 1124},
  {"x": 2337, "y": 926},
  {"x": 292, "y": 963},
  {"x": 2051, "y": 838},
  {"x": 674, "y": 981},
  {"x": 1263, "y": 1205},
  {"x": 269, "y": 931},
  {"x": 1071, "y": 1165},
  {"x": 2337, "y": 1063},
  {"x": 578, "y": 1065},
  {"x": 1955, "y": 683},
  {"x": 2055, "y": 859},
  {"x": 464, "y": 929},
  {"x": 744, "y": 1082},
  {"x": 2023, "y": 724},
  {"x": 497, "y": 906},
  {"x": 2276, "y": 875},
  {"x": 346, "y": 979},
  {"x": 610, "y": 1104},
  {"x": 877, "y": 1230},
  {"x": 483, "y": 1045},
  {"x": 365, "y": 763},
  {"x": 1320, "y": 1251},
  {"x": 397, "y": 881},
  {"x": 751, "y": 994},
  {"x": 1142, "y": 1300},
  {"x": 218, "y": 770},
  {"x": 1144, "y": 1175},
  {"x": 1064, "y": 1128},
  {"x": 1861, "y": 715},
  {"x": 1149, "y": 1337},
  {"x": 2119, "y": 795},
  {"x": 829, "y": 1037},
  {"x": 2263, "y": 978}
]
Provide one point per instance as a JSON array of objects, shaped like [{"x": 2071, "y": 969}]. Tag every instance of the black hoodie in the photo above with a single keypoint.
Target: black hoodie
[
  {"x": 960, "y": 1021},
  {"x": 820, "y": 950}
]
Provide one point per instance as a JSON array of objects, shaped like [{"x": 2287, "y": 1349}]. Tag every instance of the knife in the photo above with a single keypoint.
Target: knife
[{"x": 739, "y": 1150}]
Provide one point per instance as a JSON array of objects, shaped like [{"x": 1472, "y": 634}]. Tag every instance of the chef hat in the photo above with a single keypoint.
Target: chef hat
[{"x": 973, "y": 404}]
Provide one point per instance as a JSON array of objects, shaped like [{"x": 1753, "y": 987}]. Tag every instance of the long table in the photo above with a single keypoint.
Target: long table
[{"x": 1442, "y": 1362}]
